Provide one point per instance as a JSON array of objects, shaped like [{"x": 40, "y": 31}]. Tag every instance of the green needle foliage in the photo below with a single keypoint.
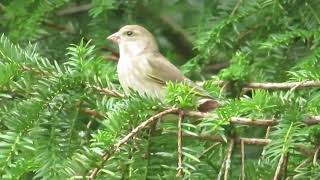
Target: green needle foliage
[{"x": 62, "y": 112}]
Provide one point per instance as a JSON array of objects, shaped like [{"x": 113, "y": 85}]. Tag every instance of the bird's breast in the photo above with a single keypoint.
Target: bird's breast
[{"x": 132, "y": 72}]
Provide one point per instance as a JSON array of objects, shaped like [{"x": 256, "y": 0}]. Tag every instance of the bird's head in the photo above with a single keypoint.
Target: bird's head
[{"x": 134, "y": 39}]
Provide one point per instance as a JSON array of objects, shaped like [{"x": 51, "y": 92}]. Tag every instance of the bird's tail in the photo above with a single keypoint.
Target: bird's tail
[{"x": 208, "y": 104}]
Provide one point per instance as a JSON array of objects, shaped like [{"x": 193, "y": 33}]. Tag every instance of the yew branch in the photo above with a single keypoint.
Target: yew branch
[
  {"x": 283, "y": 85},
  {"x": 125, "y": 139}
]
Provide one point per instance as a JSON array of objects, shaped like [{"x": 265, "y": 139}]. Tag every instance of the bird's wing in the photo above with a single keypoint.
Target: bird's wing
[{"x": 162, "y": 71}]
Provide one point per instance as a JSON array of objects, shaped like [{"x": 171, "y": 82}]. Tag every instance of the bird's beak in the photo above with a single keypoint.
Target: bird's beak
[{"x": 114, "y": 37}]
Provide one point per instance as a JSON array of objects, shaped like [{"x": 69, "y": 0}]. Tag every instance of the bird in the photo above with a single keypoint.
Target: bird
[{"x": 142, "y": 68}]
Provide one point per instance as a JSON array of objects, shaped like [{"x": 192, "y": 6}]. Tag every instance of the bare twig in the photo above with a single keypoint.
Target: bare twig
[
  {"x": 236, "y": 7},
  {"x": 226, "y": 162},
  {"x": 217, "y": 138},
  {"x": 253, "y": 122},
  {"x": 302, "y": 164},
  {"x": 228, "y": 159},
  {"x": 198, "y": 114},
  {"x": 242, "y": 161},
  {"x": 264, "y": 149},
  {"x": 304, "y": 150},
  {"x": 301, "y": 148},
  {"x": 255, "y": 141},
  {"x": 311, "y": 120},
  {"x": 277, "y": 174},
  {"x": 89, "y": 125},
  {"x": 284, "y": 85},
  {"x": 269, "y": 85},
  {"x": 236, "y": 120},
  {"x": 108, "y": 92},
  {"x": 222, "y": 167},
  {"x": 285, "y": 166},
  {"x": 92, "y": 112},
  {"x": 180, "y": 168},
  {"x": 40, "y": 72},
  {"x": 208, "y": 149},
  {"x": 315, "y": 156},
  {"x": 111, "y": 57},
  {"x": 116, "y": 146}
]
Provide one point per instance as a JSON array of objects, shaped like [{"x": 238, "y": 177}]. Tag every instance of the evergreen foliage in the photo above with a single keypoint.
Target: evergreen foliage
[{"x": 62, "y": 111}]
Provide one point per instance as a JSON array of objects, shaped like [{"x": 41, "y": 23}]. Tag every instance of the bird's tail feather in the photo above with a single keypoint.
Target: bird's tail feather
[{"x": 208, "y": 104}]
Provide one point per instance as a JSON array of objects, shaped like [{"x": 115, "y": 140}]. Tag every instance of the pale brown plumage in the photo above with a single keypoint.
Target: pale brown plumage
[{"x": 142, "y": 67}]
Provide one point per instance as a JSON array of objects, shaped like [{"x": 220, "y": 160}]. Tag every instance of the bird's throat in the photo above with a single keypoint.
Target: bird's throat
[{"x": 132, "y": 49}]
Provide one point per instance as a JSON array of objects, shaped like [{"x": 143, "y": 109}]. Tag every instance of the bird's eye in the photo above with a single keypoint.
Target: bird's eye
[{"x": 129, "y": 33}]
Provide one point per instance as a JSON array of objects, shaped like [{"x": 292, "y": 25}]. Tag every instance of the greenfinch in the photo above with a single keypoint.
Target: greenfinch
[{"x": 144, "y": 69}]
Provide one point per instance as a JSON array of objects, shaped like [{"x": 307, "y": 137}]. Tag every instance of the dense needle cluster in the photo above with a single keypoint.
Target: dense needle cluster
[{"x": 63, "y": 114}]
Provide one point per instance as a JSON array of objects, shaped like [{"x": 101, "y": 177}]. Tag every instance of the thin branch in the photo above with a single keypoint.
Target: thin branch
[
  {"x": 277, "y": 174},
  {"x": 301, "y": 148},
  {"x": 217, "y": 138},
  {"x": 312, "y": 120},
  {"x": 264, "y": 149},
  {"x": 253, "y": 122},
  {"x": 92, "y": 112},
  {"x": 222, "y": 167},
  {"x": 302, "y": 164},
  {"x": 284, "y": 85},
  {"x": 116, "y": 146},
  {"x": 304, "y": 150},
  {"x": 180, "y": 168},
  {"x": 242, "y": 161},
  {"x": 246, "y": 32},
  {"x": 108, "y": 92},
  {"x": 111, "y": 57},
  {"x": 228, "y": 159},
  {"x": 271, "y": 85},
  {"x": 315, "y": 156},
  {"x": 89, "y": 125},
  {"x": 255, "y": 141},
  {"x": 285, "y": 166},
  {"x": 236, "y": 120},
  {"x": 208, "y": 149},
  {"x": 236, "y": 7},
  {"x": 197, "y": 114},
  {"x": 25, "y": 67}
]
